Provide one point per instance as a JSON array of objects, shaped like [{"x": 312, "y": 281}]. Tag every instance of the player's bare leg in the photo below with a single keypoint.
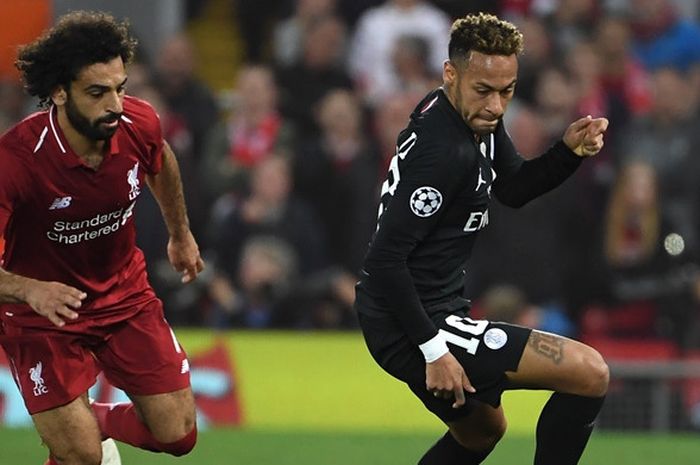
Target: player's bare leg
[
  {"x": 561, "y": 364},
  {"x": 482, "y": 429},
  {"x": 71, "y": 433},
  {"x": 579, "y": 376},
  {"x": 470, "y": 439},
  {"x": 170, "y": 417}
]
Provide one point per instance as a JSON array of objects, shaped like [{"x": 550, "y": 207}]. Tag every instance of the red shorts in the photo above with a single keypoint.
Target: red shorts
[{"x": 139, "y": 355}]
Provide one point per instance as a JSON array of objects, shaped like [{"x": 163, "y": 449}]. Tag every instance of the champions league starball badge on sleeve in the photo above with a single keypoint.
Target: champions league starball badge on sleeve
[{"x": 425, "y": 201}]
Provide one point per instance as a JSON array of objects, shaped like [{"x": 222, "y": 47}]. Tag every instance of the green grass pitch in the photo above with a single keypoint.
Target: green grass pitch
[{"x": 269, "y": 447}]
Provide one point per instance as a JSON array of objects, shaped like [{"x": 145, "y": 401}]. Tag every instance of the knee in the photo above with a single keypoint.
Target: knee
[
  {"x": 485, "y": 439},
  {"x": 183, "y": 445},
  {"x": 596, "y": 374},
  {"x": 174, "y": 430},
  {"x": 81, "y": 456}
]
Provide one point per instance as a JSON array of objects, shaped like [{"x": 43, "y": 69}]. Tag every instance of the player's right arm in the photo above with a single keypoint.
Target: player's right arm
[
  {"x": 420, "y": 163},
  {"x": 52, "y": 300}
]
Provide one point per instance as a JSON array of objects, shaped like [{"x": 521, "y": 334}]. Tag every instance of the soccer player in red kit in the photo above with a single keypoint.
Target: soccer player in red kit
[{"x": 74, "y": 295}]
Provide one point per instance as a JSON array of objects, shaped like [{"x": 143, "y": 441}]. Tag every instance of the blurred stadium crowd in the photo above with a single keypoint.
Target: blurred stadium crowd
[{"x": 282, "y": 170}]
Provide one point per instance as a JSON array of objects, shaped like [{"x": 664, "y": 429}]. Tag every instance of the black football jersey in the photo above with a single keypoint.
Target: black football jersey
[{"x": 435, "y": 201}]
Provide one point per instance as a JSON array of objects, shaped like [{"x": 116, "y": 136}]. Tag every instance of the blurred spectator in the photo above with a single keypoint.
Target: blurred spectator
[
  {"x": 526, "y": 129},
  {"x": 141, "y": 79},
  {"x": 270, "y": 210},
  {"x": 584, "y": 66},
  {"x": 352, "y": 10},
  {"x": 410, "y": 59},
  {"x": 247, "y": 137},
  {"x": 569, "y": 22},
  {"x": 651, "y": 274},
  {"x": 459, "y": 8},
  {"x": 389, "y": 120},
  {"x": 181, "y": 302},
  {"x": 664, "y": 39},
  {"x": 302, "y": 85},
  {"x": 290, "y": 33},
  {"x": 377, "y": 33},
  {"x": 516, "y": 10},
  {"x": 624, "y": 80},
  {"x": 337, "y": 173},
  {"x": 555, "y": 100},
  {"x": 509, "y": 304},
  {"x": 256, "y": 19},
  {"x": 537, "y": 55},
  {"x": 183, "y": 92},
  {"x": 667, "y": 139},
  {"x": 264, "y": 278}
]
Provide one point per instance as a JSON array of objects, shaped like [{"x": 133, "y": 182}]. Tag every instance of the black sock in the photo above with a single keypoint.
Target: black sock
[
  {"x": 447, "y": 451},
  {"x": 565, "y": 424}
]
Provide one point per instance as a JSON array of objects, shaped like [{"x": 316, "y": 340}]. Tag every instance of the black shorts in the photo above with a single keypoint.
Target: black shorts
[{"x": 485, "y": 349}]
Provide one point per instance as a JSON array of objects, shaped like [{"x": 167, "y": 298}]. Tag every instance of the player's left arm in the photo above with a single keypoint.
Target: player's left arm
[
  {"x": 166, "y": 185},
  {"x": 520, "y": 181}
]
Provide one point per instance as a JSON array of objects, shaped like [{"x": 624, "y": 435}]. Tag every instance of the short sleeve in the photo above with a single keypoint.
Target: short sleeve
[
  {"x": 11, "y": 175},
  {"x": 147, "y": 124}
]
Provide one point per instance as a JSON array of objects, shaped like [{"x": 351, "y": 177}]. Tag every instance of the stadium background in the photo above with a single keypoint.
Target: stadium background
[{"x": 296, "y": 385}]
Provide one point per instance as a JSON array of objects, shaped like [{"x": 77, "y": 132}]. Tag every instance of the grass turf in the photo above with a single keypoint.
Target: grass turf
[{"x": 267, "y": 447}]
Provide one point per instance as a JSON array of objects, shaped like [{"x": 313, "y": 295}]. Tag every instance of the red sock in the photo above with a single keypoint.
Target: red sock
[
  {"x": 181, "y": 446},
  {"x": 120, "y": 422}
]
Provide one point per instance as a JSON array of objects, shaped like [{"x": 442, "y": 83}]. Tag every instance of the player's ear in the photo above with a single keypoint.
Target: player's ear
[
  {"x": 449, "y": 73},
  {"x": 59, "y": 96}
]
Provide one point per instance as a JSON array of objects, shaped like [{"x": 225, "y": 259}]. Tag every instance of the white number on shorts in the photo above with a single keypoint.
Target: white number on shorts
[{"x": 467, "y": 325}]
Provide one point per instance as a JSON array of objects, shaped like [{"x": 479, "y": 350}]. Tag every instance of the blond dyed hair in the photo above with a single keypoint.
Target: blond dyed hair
[{"x": 484, "y": 33}]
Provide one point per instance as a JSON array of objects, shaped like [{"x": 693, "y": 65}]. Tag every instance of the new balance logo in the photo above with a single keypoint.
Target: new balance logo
[
  {"x": 35, "y": 376},
  {"x": 61, "y": 202}
]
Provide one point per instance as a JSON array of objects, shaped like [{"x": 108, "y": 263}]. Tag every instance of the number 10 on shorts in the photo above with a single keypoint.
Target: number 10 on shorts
[{"x": 465, "y": 325}]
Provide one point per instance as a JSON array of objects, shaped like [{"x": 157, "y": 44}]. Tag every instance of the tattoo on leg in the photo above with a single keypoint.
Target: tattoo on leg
[{"x": 547, "y": 345}]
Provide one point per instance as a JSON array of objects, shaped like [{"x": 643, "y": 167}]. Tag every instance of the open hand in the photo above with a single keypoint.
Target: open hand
[
  {"x": 585, "y": 136},
  {"x": 55, "y": 301}
]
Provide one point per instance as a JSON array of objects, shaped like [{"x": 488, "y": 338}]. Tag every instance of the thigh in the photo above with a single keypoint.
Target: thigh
[
  {"x": 70, "y": 432},
  {"x": 481, "y": 429},
  {"x": 560, "y": 364},
  {"x": 170, "y": 416},
  {"x": 485, "y": 349},
  {"x": 50, "y": 368},
  {"x": 142, "y": 356}
]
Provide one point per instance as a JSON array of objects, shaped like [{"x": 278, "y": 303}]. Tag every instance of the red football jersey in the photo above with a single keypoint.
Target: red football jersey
[{"x": 66, "y": 222}]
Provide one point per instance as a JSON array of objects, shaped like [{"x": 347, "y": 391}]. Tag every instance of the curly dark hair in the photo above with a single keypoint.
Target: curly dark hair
[
  {"x": 486, "y": 34},
  {"x": 79, "y": 39}
]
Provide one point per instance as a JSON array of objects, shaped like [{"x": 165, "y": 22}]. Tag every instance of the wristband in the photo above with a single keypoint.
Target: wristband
[{"x": 434, "y": 348}]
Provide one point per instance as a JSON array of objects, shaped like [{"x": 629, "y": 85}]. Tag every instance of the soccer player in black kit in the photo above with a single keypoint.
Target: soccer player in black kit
[{"x": 454, "y": 154}]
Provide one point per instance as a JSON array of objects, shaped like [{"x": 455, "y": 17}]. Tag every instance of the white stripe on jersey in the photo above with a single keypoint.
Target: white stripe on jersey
[
  {"x": 492, "y": 143},
  {"x": 127, "y": 119},
  {"x": 175, "y": 343},
  {"x": 41, "y": 139},
  {"x": 53, "y": 128},
  {"x": 430, "y": 104}
]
